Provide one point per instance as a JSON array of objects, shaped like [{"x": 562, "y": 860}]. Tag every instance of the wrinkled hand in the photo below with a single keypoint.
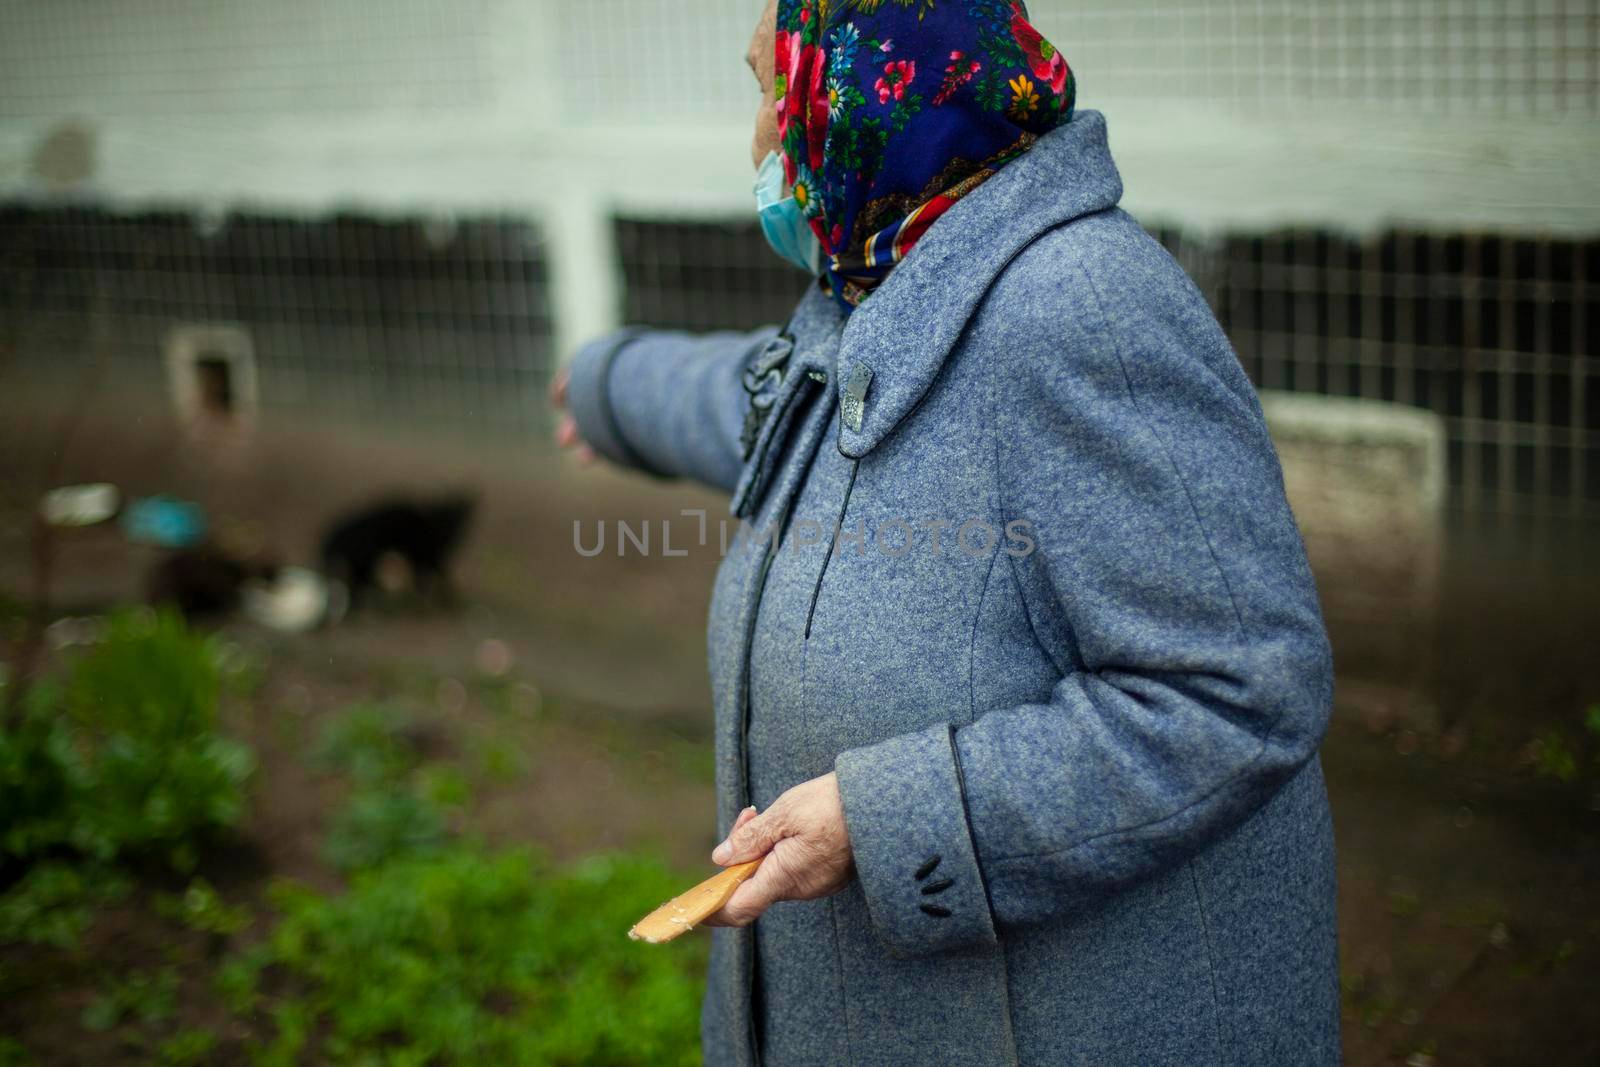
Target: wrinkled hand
[
  {"x": 567, "y": 428},
  {"x": 807, "y": 845}
]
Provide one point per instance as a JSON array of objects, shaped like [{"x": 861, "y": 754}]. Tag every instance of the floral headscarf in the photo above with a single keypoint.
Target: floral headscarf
[{"x": 892, "y": 110}]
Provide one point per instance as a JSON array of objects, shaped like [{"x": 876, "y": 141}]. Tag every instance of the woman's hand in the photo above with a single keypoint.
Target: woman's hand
[
  {"x": 807, "y": 845},
  {"x": 567, "y": 428}
]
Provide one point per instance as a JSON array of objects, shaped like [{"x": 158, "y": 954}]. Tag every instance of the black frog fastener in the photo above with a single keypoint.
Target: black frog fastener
[
  {"x": 762, "y": 379},
  {"x": 936, "y": 910}
]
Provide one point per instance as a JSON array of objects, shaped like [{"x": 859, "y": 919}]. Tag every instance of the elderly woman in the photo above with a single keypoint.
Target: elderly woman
[{"x": 1020, "y": 669}]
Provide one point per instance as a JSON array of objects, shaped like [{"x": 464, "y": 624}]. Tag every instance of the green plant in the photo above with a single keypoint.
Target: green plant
[
  {"x": 151, "y": 677},
  {"x": 54, "y": 902},
  {"x": 186, "y": 1047},
  {"x": 500, "y": 762},
  {"x": 445, "y": 786},
  {"x": 380, "y": 824},
  {"x": 237, "y": 981},
  {"x": 145, "y": 706},
  {"x": 202, "y": 909},
  {"x": 150, "y": 998},
  {"x": 12, "y": 1054},
  {"x": 367, "y": 742},
  {"x": 122, "y": 754},
  {"x": 468, "y": 957},
  {"x": 1553, "y": 757},
  {"x": 40, "y": 780},
  {"x": 292, "y": 1020}
]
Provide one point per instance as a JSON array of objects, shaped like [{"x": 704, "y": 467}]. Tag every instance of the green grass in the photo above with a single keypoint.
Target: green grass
[
  {"x": 438, "y": 951},
  {"x": 467, "y": 956}
]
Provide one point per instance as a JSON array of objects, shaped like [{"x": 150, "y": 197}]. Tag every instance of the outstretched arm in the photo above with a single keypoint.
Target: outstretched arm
[{"x": 665, "y": 402}]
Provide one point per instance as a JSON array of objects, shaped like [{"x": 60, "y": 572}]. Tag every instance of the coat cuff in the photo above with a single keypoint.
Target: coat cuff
[
  {"x": 906, "y": 816},
  {"x": 589, "y": 399}
]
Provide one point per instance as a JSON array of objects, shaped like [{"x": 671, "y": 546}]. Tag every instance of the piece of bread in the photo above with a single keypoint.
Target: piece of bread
[{"x": 683, "y": 912}]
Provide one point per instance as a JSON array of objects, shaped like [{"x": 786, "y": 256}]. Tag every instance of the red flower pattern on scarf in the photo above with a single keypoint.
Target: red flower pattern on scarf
[
  {"x": 1047, "y": 64},
  {"x": 896, "y": 76},
  {"x": 802, "y": 70}
]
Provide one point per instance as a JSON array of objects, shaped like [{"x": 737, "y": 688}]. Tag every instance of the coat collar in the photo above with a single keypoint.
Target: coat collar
[{"x": 894, "y": 344}]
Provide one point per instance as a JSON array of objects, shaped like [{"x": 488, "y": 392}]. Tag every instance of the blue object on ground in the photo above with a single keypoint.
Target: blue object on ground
[{"x": 165, "y": 521}]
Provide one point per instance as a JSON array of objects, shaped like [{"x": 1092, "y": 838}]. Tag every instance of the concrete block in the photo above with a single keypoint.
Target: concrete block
[{"x": 1367, "y": 481}]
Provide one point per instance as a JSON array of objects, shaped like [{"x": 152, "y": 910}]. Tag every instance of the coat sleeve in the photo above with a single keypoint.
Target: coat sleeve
[
  {"x": 1168, "y": 582},
  {"x": 666, "y": 402}
]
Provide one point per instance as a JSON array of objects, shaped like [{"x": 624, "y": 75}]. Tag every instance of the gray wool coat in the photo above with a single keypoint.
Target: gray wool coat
[{"x": 1017, "y": 563}]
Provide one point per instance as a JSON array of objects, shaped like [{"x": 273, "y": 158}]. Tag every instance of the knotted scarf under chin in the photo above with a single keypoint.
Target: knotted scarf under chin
[{"x": 890, "y": 111}]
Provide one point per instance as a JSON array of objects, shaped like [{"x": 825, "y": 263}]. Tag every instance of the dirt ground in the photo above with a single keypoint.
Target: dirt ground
[{"x": 1468, "y": 922}]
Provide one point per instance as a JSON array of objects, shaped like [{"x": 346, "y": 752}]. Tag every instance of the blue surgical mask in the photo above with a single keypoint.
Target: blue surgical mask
[{"x": 783, "y": 221}]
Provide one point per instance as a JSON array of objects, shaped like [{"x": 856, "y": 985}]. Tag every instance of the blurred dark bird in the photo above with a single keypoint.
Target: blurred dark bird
[
  {"x": 205, "y": 583},
  {"x": 397, "y": 542}
]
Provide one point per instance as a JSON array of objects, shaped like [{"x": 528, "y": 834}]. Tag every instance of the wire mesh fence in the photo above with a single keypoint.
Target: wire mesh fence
[
  {"x": 1491, "y": 332},
  {"x": 449, "y": 322},
  {"x": 1517, "y": 57},
  {"x": 605, "y": 60},
  {"x": 703, "y": 275},
  {"x": 143, "y": 57},
  {"x": 418, "y": 320},
  {"x": 452, "y": 315}
]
